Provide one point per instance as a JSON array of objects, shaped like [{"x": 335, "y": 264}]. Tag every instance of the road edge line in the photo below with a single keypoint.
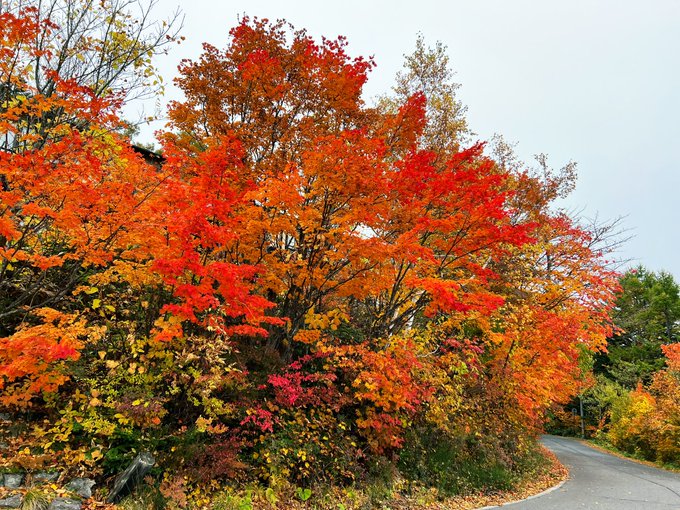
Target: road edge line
[{"x": 540, "y": 494}]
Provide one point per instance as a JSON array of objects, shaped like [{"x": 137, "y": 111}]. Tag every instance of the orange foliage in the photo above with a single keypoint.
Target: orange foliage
[
  {"x": 672, "y": 353},
  {"x": 299, "y": 266},
  {"x": 646, "y": 422},
  {"x": 82, "y": 214}
]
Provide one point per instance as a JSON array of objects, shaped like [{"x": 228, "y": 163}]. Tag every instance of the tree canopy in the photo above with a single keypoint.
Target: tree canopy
[
  {"x": 305, "y": 279},
  {"x": 646, "y": 315}
]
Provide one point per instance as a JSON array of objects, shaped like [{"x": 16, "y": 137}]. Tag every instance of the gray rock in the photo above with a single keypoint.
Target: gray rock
[
  {"x": 81, "y": 486},
  {"x": 13, "y": 480},
  {"x": 46, "y": 476},
  {"x": 65, "y": 504},
  {"x": 134, "y": 474},
  {"x": 5, "y": 417},
  {"x": 13, "y": 501},
  {"x": 4, "y": 445}
]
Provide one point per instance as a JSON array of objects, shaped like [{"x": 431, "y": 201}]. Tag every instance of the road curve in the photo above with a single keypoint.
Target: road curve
[{"x": 601, "y": 481}]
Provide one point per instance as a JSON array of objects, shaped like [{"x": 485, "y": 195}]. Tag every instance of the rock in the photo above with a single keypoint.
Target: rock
[
  {"x": 13, "y": 501},
  {"x": 4, "y": 445},
  {"x": 13, "y": 480},
  {"x": 5, "y": 417},
  {"x": 81, "y": 486},
  {"x": 46, "y": 476},
  {"x": 134, "y": 473},
  {"x": 65, "y": 504}
]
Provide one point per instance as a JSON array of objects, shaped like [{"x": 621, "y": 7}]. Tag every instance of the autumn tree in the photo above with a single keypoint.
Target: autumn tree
[
  {"x": 106, "y": 47},
  {"x": 86, "y": 224},
  {"x": 304, "y": 280},
  {"x": 335, "y": 214},
  {"x": 66, "y": 65},
  {"x": 428, "y": 71},
  {"x": 373, "y": 226},
  {"x": 558, "y": 290},
  {"x": 646, "y": 420}
]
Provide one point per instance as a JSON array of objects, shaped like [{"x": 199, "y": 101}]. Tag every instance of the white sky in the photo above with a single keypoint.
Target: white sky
[{"x": 594, "y": 81}]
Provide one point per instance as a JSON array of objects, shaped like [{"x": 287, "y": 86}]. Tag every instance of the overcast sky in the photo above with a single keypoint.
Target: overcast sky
[{"x": 597, "y": 82}]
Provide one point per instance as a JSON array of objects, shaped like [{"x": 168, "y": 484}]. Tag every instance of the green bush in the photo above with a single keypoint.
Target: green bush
[{"x": 464, "y": 464}]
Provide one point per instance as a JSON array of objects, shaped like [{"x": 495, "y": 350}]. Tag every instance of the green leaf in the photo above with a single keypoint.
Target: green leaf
[
  {"x": 271, "y": 496},
  {"x": 303, "y": 494}
]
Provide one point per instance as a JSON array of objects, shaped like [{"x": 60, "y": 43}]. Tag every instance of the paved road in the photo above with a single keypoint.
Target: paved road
[{"x": 600, "y": 481}]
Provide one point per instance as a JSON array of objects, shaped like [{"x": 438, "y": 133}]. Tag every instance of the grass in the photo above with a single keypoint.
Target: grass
[
  {"x": 35, "y": 500},
  {"x": 603, "y": 444}
]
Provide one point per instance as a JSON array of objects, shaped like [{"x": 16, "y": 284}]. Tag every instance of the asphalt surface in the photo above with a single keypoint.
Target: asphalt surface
[{"x": 601, "y": 481}]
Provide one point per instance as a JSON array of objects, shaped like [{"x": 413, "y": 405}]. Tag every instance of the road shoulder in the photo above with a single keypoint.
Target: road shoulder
[{"x": 622, "y": 455}]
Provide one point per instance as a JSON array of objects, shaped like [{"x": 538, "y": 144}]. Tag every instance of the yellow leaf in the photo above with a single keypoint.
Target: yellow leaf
[{"x": 96, "y": 304}]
